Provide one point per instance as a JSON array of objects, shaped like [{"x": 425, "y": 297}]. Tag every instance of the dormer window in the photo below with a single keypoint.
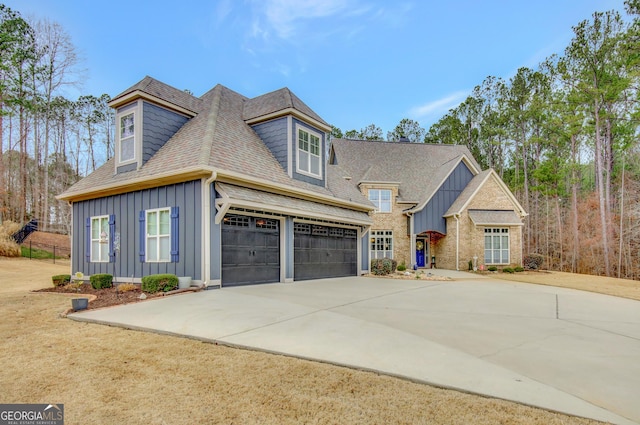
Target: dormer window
[
  {"x": 381, "y": 198},
  {"x": 127, "y": 138},
  {"x": 129, "y": 135},
  {"x": 309, "y": 160}
]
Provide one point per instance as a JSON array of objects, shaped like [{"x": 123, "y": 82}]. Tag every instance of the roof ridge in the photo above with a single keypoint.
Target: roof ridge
[{"x": 212, "y": 120}]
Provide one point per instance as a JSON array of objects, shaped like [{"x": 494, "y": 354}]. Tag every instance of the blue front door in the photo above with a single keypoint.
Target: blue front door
[{"x": 420, "y": 257}]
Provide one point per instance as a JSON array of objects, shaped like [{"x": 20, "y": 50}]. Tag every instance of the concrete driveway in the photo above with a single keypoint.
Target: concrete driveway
[{"x": 563, "y": 350}]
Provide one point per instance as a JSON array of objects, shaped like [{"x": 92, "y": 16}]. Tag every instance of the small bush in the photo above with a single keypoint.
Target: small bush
[
  {"x": 492, "y": 268},
  {"x": 383, "y": 266},
  {"x": 470, "y": 265},
  {"x": 402, "y": 267},
  {"x": 126, "y": 287},
  {"x": 507, "y": 270},
  {"x": 100, "y": 281},
  {"x": 159, "y": 282},
  {"x": 519, "y": 269},
  {"x": 61, "y": 279},
  {"x": 533, "y": 261},
  {"x": 9, "y": 247}
]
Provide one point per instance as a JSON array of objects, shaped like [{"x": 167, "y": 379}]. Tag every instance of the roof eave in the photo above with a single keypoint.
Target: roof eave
[
  {"x": 289, "y": 111},
  {"x": 139, "y": 94}
]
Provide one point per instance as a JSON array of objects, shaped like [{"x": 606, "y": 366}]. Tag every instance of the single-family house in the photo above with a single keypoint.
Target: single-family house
[
  {"x": 231, "y": 190},
  {"x": 434, "y": 206},
  {"x": 222, "y": 188}
]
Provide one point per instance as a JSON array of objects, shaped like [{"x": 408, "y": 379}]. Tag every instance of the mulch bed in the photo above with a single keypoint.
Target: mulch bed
[{"x": 104, "y": 297}]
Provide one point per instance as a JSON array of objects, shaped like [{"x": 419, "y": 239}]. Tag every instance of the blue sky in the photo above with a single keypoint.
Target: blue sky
[{"x": 354, "y": 62}]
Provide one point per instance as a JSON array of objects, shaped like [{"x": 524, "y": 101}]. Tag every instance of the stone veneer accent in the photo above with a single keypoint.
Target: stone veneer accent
[
  {"x": 490, "y": 197},
  {"x": 395, "y": 221}
]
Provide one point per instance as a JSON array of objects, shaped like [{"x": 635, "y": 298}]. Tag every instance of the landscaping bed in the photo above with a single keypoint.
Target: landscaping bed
[{"x": 105, "y": 297}]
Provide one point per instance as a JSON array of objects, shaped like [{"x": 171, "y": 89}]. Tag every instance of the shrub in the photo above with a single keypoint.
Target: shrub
[
  {"x": 402, "y": 267},
  {"x": 61, "y": 279},
  {"x": 159, "y": 282},
  {"x": 101, "y": 280},
  {"x": 126, "y": 287},
  {"x": 519, "y": 269},
  {"x": 470, "y": 265},
  {"x": 383, "y": 266},
  {"x": 507, "y": 270},
  {"x": 492, "y": 268},
  {"x": 9, "y": 247},
  {"x": 532, "y": 261}
]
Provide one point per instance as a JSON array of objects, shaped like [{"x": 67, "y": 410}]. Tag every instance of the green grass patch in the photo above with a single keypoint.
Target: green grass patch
[{"x": 38, "y": 254}]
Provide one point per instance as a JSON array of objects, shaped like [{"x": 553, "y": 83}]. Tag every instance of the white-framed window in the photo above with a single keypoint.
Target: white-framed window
[
  {"x": 309, "y": 152},
  {"x": 381, "y": 198},
  {"x": 127, "y": 137},
  {"x": 381, "y": 244},
  {"x": 158, "y": 235},
  {"x": 496, "y": 245},
  {"x": 100, "y": 239}
]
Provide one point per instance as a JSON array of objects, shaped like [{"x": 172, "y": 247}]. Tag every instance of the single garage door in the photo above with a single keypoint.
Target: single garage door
[
  {"x": 324, "y": 251},
  {"x": 250, "y": 250}
]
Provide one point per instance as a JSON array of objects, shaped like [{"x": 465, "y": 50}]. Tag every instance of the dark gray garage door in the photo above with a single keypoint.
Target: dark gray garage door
[
  {"x": 323, "y": 251},
  {"x": 250, "y": 250}
]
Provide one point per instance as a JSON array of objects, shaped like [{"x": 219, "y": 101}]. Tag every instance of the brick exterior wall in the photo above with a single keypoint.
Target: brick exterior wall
[
  {"x": 395, "y": 221},
  {"x": 471, "y": 240}
]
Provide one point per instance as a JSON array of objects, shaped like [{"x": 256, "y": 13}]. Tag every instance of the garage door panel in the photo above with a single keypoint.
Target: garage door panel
[
  {"x": 322, "y": 252},
  {"x": 250, "y": 250}
]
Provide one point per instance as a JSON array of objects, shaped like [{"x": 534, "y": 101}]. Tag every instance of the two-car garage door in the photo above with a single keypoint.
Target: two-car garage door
[{"x": 251, "y": 251}]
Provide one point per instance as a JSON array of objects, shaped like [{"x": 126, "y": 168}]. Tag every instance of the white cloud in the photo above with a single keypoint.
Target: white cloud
[{"x": 439, "y": 106}]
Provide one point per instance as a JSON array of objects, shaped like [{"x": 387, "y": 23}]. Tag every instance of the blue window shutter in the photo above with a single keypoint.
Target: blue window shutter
[
  {"x": 88, "y": 240},
  {"x": 143, "y": 235},
  {"x": 175, "y": 235},
  {"x": 112, "y": 235}
]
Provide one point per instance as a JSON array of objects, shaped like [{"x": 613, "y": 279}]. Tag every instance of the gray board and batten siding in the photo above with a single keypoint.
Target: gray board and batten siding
[
  {"x": 430, "y": 218},
  {"x": 126, "y": 208},
  {"x": 274, "y": 134},
  {"x": 158, "y": 126}
]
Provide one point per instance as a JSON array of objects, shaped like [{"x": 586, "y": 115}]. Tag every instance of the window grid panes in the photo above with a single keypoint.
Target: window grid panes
[
  {"x": 127, "y": 139},
  {"x": 496, "y": 246},
  {"x": 308, "y": 152},
  {"x": 100, "y": 239},
  {"x": 381, "y": 198},
  {"x": 159, "y": 235},
  {"x": 381, "y": 244}
]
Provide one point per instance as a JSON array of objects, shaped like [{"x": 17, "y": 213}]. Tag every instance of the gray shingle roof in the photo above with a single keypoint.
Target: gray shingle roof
[
  {"x": 419, "y": 168},
  {"x": 165, "y": 92},
  {"x": 275, "y": 202},
  {"x": 216, "y": 137},
  {"x": 277, "y": 101}
]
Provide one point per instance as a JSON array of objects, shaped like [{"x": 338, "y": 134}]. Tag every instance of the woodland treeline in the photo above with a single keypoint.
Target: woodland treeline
[
  {"x": 47, "y": 141},
  {"x": 563, "y": 136}
]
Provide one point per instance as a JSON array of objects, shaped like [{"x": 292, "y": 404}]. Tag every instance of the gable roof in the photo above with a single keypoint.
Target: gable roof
[
  {"x": 418, "y": 168},
  {"x": 216, "y": 141},
  {"x": 277, "y": 103},
  {"x": 474, "y": 186}
]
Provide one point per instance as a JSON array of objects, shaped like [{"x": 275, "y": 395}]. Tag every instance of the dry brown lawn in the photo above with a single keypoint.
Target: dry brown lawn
[
  {"x": 624, "y": 288},
  {"x": 108, "y": 375}
]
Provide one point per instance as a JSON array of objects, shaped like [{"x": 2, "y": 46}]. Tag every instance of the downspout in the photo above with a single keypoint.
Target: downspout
[
  {"x": 457, "y": 217},
  {"x": 412, "y": 235},
  {"x": 206, "y": 227}
]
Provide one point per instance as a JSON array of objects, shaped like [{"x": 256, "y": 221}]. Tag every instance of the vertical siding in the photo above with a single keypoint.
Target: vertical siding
[
  {"x": 274, "y": 135},
  {"x": 294, "y": 149},
  {"x": 186, "y": 196},
  {"x": 431, "y": 217},
  {"x": 158, "y": 125},
  {"x": 365, "y": 250},
  {"x": 215, "y": 259}
]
